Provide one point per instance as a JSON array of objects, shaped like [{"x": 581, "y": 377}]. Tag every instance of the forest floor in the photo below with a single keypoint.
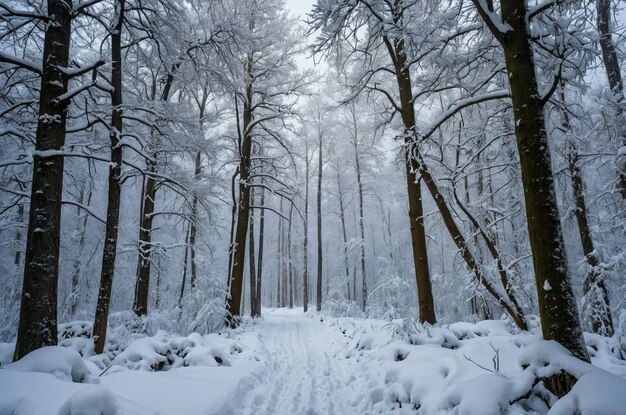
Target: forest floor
[{"x": 292, "y": 363}]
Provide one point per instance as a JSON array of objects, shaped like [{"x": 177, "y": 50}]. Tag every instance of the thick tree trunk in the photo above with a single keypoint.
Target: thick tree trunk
[
  {"x": 318, "y": 303},
  {"x": 416, "y": 210},
  {"x": 38, "y": 312},
  {"x": 557, "y": 305},
  {"x": 243, "y": 211},
  {"x": 115, "y": 187}
]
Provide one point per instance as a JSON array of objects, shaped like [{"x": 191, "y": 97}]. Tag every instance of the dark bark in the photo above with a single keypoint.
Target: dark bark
[
  {"x": 243, "y": 208},
  {"x": 557, "y": 305},
  {"x": 185, "y": 260},
  {"x": 601, "y": 319},
  {"x": 614, "y": 75},
  {"x": 318, "y": 303},
  {"x": 142, "y": 287},
  {"x": 290, "y": 283},
  {"x": 416, "y": 210},
  {"x": 252, "y": 259},
  {"x": 259, "y": 276},
  {"x": 305, "y": 242},
  {"x": 115, "y": 187},
  {"x": 38, "y": 312}
]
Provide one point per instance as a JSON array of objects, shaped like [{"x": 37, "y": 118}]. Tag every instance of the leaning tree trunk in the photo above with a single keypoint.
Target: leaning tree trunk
[
  {"x": 115, "y": 188},
  {"x": 557, "y": 305},
  {"x": 38, "y": 312},
  {"x": 614, "y": 75},
  {"x": 243, "y": 212},
  {"x": 416, "y": 165},
  {"x": 318, "y": 303}
]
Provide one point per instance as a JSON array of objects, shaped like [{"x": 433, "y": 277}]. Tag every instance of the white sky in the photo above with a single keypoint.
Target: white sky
[{"x": 301, "y": 8}]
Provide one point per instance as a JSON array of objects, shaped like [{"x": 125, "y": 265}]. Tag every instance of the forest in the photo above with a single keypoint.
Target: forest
[{"x": 382, "y": 206}]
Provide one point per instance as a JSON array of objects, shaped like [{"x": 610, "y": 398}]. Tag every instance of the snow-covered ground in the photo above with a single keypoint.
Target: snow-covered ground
[{"x": 293, "y": 363}]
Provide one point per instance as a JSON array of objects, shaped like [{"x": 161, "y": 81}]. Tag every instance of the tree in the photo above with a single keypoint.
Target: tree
[
  {"x": 38, "y": 313},
  {"x": 557, "y": 305},
  {"x": 115, "y": 185}
]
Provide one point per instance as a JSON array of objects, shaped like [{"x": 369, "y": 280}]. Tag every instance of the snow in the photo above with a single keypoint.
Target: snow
[
  {"x": 289, "y": 362},
  {"x": 63, "y": 363}
]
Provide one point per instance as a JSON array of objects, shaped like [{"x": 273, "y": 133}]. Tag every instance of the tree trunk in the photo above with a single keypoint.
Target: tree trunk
[
  {"x": 594, "y": 288},
  {"x": 185, "y": 260},
  {"x": 359, "y": 182},
  {"x": 243, "y": 211},
  {"x": 142, "y": 288},
  {"x": 252, "y": 259},
  {"x": 318, "y": 304},
  {"x": 305, "y": 242},
  {"x": 416, "y": 210},
  {"x": 115, "y": 187},
  {"x": 342, "y": 217},
  {"x": 78, "y": 263},
  {"x": 257, "y": 303},
  {"x": 289, "y": 258},
  {"x": 38, "y": 312},
  {"x": 557, "y": 305},
  {"x": 614, "y": 75}
]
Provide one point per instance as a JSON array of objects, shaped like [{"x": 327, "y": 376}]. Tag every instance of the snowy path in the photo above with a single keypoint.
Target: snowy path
[{"x": 307, "y": 372}]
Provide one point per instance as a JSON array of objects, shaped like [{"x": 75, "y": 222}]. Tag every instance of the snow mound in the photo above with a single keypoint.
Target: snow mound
[
  {"x": 595, "y": 393},
  {"x": 164, "y": 352},
  {"x": 6, "y": 353},
  {"x": 63, "y": 363},
  {"x": 93, "y": 400},
  {"x": 478, "y": 369}
]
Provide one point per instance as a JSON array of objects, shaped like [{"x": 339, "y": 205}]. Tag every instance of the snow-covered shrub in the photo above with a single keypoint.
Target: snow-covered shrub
[
  {"x": 77, "y": 335},
  {"x": 63, "y": 363},
  {"x": 148, "y": 353},
  {"x": 209, "y": 318},
  {"x": 164, "y": 352},
  {"x": 391, "y": 298}
]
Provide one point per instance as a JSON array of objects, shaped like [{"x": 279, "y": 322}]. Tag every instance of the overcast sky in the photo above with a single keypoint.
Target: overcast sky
[{"x": 301, "y": 8}]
